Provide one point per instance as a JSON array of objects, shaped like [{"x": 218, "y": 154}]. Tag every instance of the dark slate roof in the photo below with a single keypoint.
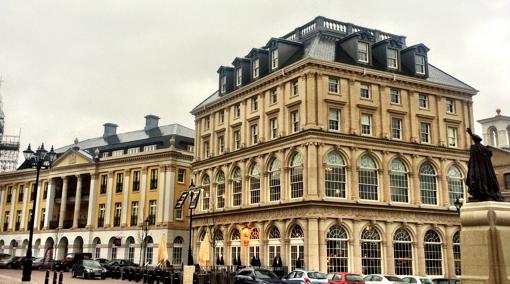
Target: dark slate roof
[{"x": 133, "y": 136}]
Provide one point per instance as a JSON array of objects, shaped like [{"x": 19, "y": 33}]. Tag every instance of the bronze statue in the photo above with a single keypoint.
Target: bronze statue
[{"x": 481, "y": 178}]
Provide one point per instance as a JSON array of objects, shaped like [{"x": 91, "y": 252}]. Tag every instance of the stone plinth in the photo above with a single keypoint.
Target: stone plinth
[
  {"x": 485, "y": 242},
  {"x": 187, "y": 274}
]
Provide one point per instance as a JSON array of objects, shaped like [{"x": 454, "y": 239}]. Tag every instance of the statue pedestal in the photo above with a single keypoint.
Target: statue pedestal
[
  {"x": 485, "y": 242},
  {"x": 187, "y": 274}
]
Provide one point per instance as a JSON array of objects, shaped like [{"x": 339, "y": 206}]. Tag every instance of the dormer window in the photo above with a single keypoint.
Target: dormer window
[
  {"x": 223, "y": 82},
  {"x": 362, "y": 52},
  {"x": 420, "y": 64},
  {"x": 392, "y": 58},
  {"x": 274, "y": 59},
  {"x": 255, "y": 67},
  {"x": 239, "y": 76}
]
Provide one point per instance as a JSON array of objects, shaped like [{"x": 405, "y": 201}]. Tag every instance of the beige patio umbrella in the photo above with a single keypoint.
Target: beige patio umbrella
[
  {"x": 204, "y": 257},
  {"x": 162, "y": 250}
]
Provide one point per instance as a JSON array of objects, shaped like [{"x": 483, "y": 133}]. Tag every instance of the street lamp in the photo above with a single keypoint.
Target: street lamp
[
  {"x": 145, "y": 229},
  {"x": 194, "y": 193},
  {"x": 458, "y": 204},
  {"x": 41, "y": 159}
]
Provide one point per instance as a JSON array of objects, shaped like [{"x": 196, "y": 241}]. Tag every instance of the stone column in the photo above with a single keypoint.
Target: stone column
[
  {"x": 385, "y": 186},
  {"x": 37, "y": 205},
  {"x": 312, "y": 177},
  {"x": 390, "y": 263},
  {"x": 443, "y": 199},
  {"x": 50, "y": 201},
  {"x": 63, "y": 202},
  {"x": 162, "y": 192},
  {"x": 13, "y": 203},
  {"x": 420, "y": 232},
  {"x": 450, "y": 263},
  {"x": 24, "y": 212},
  {"x": 312, "y": 258},
  {"x": 323, "y": 254},
  {"x": 92, "y": 200},
  {"x": 143, "y": 193},
  {"x": 125, "y": 198},
  {"x": 356, "y": 252},
  {"x": 168, "y": 215},
  {"x": 77, "y": 201},
  {"x": 109, "y": 195},
  {"x": 415, "y": 185},
  {"x": 2, "y": 201},
  {"x": 354, "y": 169}
]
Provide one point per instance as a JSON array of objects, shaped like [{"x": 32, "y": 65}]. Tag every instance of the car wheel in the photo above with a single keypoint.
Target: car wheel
[{"x": 73, "y": 274}]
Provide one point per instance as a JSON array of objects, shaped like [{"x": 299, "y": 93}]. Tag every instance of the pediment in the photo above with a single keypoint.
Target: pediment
[{"x": 73, "y": 157}]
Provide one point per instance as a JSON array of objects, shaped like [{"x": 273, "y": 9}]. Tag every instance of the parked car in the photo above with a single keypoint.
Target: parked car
[
  {"x": 345, "y": 278},
  {"x": 446, "y": 281},
  {"x": 304, "y": 276},
  {"x": 256, "y": 275},
  {"x": 4, "y": 255},
  {"x": 37, "y": 262},
  {"x": 16, "y": 262},
  {"x": 417, "y": 280},
  {"x": 101, "y": 261},
  {"x": 71, "y": 259},
  {"x": 386, "y": 279},
  {"x": 4, "y": 262},
  {"x": 88, "y": 268}
]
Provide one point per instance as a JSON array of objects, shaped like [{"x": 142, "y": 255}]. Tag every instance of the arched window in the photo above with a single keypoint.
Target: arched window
[
  {"x": 206, "y": 192},
  {"x": 493, "y": 136},
  {"x": 220, "y": 190},
  {"x": 236, "y": 187},
  {"x": 130, "y": 243},
  {"x": 274, "y": 245},
  {"x": 455, "y": 184},
  {"x": 296, "y": 176},
  {"x": 149, "y": 251},
  {"x": 218, "y": 245},
  {"x": 334, "y": 175},
  {"x": 456, "y": 253},
  {"x": 433, "y": 253},
  {"x": 235, "y": 247},
  {"x": 368, "y": 184},
  {"x": 370, "y": 251},
  {"x": 403, "y": 253},
  {"x": 428, "y": 185},
  {"x": 398, "y": 181},
  {"x": 97, "y": 247},
  {"x": 254, "y": 184},
  {"x": 297, "y": 247},
  {"x": 274, "y": 180},
  {"x": 177, "y": 250},
  {"x": 113, "y": 248},
  {"x": 254, "y": 244},
  {"x": 337, "y": 249}
]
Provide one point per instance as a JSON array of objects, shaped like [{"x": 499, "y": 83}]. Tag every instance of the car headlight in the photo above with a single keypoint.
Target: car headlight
[
  {"x": 103, "y": 270},
  {"x": 88, "y": 270}
]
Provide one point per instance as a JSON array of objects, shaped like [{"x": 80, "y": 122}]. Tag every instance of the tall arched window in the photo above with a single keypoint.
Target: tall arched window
[
  {"x": 274, "y": 180},
  {"x": 206, "y": 192},
  {"x": 403, "y": 253},
  {"x": 296, "y": 176},
  {"x": 456, "y": 253},
  {"x": 493, "y": 136},
  {"x": 398, "y": 181},
  {"x": 149, "y": 251},
  {"x": 220, "y": 190},
  {"x": 177, "y": 250},
  {"x": 130, "y": 243},
  {"x": 368, "y": 184},
  {"x": 334, "y": 175},
  {"x": 433, "y": 253},
  {"x": 97, "y": 247},
  {"x": 455, "y": 184},
  {"x": 235, "y": 247},
  {"x": 337, "y": 249},
  {"x": 218, "y": 245},
  {"x": 237, "y": 189},
  {"x": 297, "y": 247},
  {"x": 254, "y": 184},
  {"x": 274, "y": 244},
  {"x": 428, "y": 184},
  {"x": 370, "y": 251},
  {"x": 254, "y": 244}
]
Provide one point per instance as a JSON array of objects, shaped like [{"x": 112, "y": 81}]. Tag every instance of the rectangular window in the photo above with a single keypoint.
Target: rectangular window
[
  {"x": 364, "y": 91},
  {"x": 100, "y": 218},
  {"x": 154, "y": 179},
  {"x": 420, "y": 64},
  {"x": 32, "y": 192},
  {"x": 274, "y": 59},
  {"x": 105, "y": 154},
  {"x": 423, "y": 101},
  {"x": 136, "y": 180},
  {"x": 452, "y": 137},
  {"x": 7, "y": 216},
  {"x": 206, "y": 149},
  {"x": 178, "y": 214},
  {"x": 118, "y": 212},
  {"x": 149, "y": 148},
  {"x": 363, "y": 52},
  {"x": 334, "y": 119},
  {"x": 18, "y": 220},
  {"x": 104, "y": 183},
  {"x": 392, "y": 58},
  {"x": 254, "y": 134},
  {"x": 294, "y": 120},
  {"x": 274, "y": 96},
  {"x": 207, "y": 123},
  {"x": 366, "y": 124},
  {"x": 9, "y": 195},
  {"x": 273, "y": 122},
  {"x": 181, "y": 175},
  {"x": 237, "y": 139},
  {"x": 221, "y": 117},
  {"x": 43, "y": 216},
  {"x": 223, "y": 82},
  {"x": 507, "y": 181},
  {"x": 450, "y": 105},
  {"x": 134, "y": 213},
  {"x": 117, "y": 153},
  {"x": 20, "y": 194},
  {"x": 254, "y": 103},
  {"x": 295, "y": 87},
  {"x": 425, "y": 132},
  {"x": 255, "y": 66},
  {"x": 152, "y": 212},
  {"x": 120, "y": 180},
  {"x": 333, "y": 85},
  {"x": 237, "y": 111},
  {"x": 395, "y": 96},
  {"x": 221, "y": 144},
  {"x": 239, "y": 76},
  {"x": 133, "y": 150},
  {"x": 396, "y": 128}
]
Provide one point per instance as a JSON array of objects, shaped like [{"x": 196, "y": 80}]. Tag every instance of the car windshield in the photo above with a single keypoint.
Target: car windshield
[
  {"x": 426, "y": 281},
  {"x": 317, "y": 275},
  {"x": 265, "y": 274},
  {"x": 91, "y": 263},
  {"x": 393, "y": 278},
  {"x": 353, "y": 277}
]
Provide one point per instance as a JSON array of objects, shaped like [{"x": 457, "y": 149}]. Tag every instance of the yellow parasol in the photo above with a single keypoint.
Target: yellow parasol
[
  {"x": 204, "y": 258},
  {"x": 162, "y": 250}
]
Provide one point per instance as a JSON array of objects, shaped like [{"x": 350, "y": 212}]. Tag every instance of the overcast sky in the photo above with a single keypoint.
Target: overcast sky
[{"x": 70, "y": 66}]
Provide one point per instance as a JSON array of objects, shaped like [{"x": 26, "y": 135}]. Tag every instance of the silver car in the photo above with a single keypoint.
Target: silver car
[{"x": 300, "y": 276}]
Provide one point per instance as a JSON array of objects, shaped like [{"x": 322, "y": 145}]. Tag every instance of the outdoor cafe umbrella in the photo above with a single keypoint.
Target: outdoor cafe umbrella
[
  {"x": 162, "y": 250},
  {"x": 204, "y": 258}
]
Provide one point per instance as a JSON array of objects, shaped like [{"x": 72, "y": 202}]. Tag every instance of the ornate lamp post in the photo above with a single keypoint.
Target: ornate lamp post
[
  {"x": 41, "y": 159},
  {"x": 194, "y": 193}
]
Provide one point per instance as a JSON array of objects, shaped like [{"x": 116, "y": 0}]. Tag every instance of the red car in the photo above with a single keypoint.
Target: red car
[{"x": 345, "y": 278}]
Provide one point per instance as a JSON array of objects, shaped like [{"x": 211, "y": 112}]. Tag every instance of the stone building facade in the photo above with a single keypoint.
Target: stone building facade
[
  {"x": 336, "y": 145},
  {"x": 100, "y": 192}
]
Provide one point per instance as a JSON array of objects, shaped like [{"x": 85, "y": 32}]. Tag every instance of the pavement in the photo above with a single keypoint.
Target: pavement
[{"x": 12, "y": 276}]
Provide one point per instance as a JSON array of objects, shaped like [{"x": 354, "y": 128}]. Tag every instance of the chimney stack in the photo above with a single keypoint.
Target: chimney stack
[
  {"x": 151, "y": 121},
  {"x": 110, "y": 129}
]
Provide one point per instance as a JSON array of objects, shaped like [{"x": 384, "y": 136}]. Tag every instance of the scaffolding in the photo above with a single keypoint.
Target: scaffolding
[{"x": 9, "y": 144}]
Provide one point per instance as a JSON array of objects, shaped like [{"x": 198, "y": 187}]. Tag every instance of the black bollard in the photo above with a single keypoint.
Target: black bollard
[
  {"x": 54, "y": 277},
  {"x": 47, "y": 277},
  {"x": 60, "y": 278}
]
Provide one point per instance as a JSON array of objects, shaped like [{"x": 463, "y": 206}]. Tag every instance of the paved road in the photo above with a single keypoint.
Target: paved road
[{"x": 11, "y": 276}]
